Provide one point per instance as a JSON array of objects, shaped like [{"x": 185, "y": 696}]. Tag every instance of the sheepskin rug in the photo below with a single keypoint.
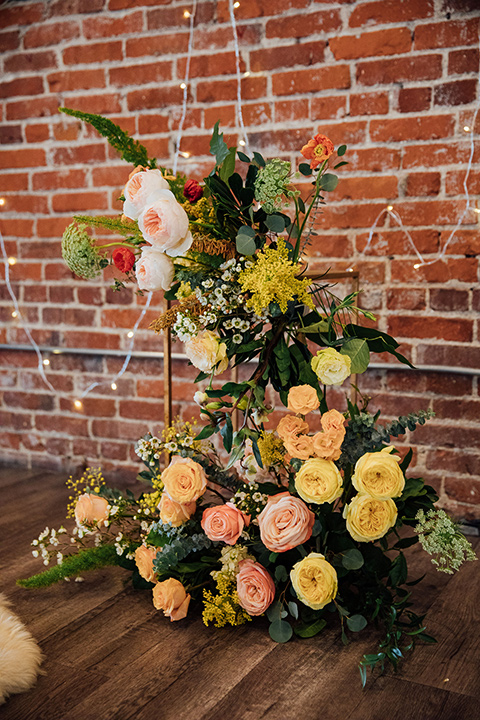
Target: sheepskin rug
[{"x": 20, "y": 656}]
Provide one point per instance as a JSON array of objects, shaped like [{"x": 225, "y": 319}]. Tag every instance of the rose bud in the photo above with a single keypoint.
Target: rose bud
[
  {"x": 123, "y": 259},
  {"x": 192, "y": 191}
]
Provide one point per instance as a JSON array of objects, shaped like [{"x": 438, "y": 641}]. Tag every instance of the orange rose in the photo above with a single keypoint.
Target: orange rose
[
  {"x": 290, "y": 426},
  {"x": 170, "y": 596},
  {"x": 285, "y": 522},
  {"x": 173, "y": 512},
  {"x": 144, "y": 557},
  {"x": 91, "y": 509},
  {"x": 333, "y": 420},
  {"x": 224, "y": 523},
  {"x": 255, "y": 587},
  {"x": 299, "y": 446},
  {"x": 184, "y": 480},
  {"x": 327, "y": 445},
  {"x": 303, "y": 399},
  {"x": 318, "y": 149}
]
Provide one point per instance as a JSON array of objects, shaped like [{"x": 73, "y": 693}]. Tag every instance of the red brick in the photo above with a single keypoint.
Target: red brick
[
  {"x": 10, "y": 134},
  {"x": 75, "y": 80},
  {"x": 334, "y": 246},
  {"x": 461, "y": 461},
  {"x": 391, "y": 41},
  {"x": 459, "y": 330},
  {"x": 374, "y": 103},
  {"x": 126, "y": 318},
  {"x": 434, "y": 155},
  {"x": 74, "y": 7},
  {"x": 449, "y": 33},
  {"x": 9, "y": 40},
  {"x": 394, "y": 70},
  {"x": 299, "y": 26},
  {"x": 464, "y": 269},
  {"x": 412, "y": 128},
  {"x": 51, "y": 34},
  {"x": 406, "y": 299},
  {"x": 154, "y": 98},
  {"x": 97, "y": 104},
  {"x": 93, "y": 53},
  {"x": 308, "y": 53},
  {"x": 127, "y": 4},
  {"x": 28, "y": 61},
  {"x": 17, "y": 227},
  {"x": 169, "y": 17},
  {"x": 37, "y": 133},
  {"x": 464, "y": 490},
  {"x": 463, "y": 61},
  {"x": 359, "y": 188},
  {"x": 464, "y": 242},
  {"x": 114, "y": 451},
  {"x": 447, "y": 436},
  {"x": 28, "y": 401},
  {"x": 221, "y": 63},
  {"x": 414, "y": 99},
  {"x": 31, "y": 85},
  {"x": 76, "y": 201},
  {"x": 257, "y": 113},
  {"x": 423, "y": 183},
  {"x": 108, "y": 26},
  {"x": 121, "y": 430},
  {"x": 156, "y": 72},
  {"x": 56, "y": 179},
  {"x": 305, "y": 81},
  {"x": 73, "y": 154},
  {"x": 142, "y": 410},
  {"x": 23, "y": 203},
  {"x": 390, "y": 11},
  {"x": 257, "y": 8},
  {"x": 158, "y": 44},
  {"x": 27, "y": 109},
  {"x": 333, "y": 106},
  {"x": 458, "y": 92},
  {"x": 22, "y": 158},
  {"x": 376, "y": 159},
  {"x": 63, "y": 424},
  {"x": 22, "y": 14},
  {"x": 225, "y": 114},
  {"x": 16, "y": 420},
  {"x": 90, "y": 296},
  {"x": 251, "y": 88},
  {"x": 444, "y": 299},
  {"x": 14, "y": 181},
  {"x": 209, "y": 38},
  {"x": 351, "y": 216}
]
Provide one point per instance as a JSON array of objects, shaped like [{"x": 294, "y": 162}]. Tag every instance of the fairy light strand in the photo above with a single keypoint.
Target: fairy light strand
[
  {"x": 231, "y": 6},
  {"x": 184, "y": 85}
]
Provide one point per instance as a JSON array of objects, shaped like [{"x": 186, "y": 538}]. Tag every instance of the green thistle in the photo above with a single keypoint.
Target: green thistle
[
  {"x": 271, "y": 185},
  {"x": 80, "y": 252},
  {"x": 441, "y": 537}
]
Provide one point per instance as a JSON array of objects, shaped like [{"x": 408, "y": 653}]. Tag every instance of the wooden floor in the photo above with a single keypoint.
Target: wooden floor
[{"x": 109, "y": 654}]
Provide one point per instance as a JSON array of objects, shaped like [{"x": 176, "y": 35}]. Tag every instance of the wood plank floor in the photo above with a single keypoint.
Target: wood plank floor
[{"x": 110, "y": 655}]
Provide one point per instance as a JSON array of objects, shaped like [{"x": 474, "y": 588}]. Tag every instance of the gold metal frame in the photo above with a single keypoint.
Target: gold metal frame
[{"x": 167, "y": 343}]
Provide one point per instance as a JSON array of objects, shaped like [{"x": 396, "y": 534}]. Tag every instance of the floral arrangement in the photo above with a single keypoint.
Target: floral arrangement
[{"x": 244, "y": 519}]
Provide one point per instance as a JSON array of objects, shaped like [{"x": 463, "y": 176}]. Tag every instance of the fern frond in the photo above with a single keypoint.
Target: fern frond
[
  {"x": 127, "y": 229},
  {"x": 72, "y": 565}
]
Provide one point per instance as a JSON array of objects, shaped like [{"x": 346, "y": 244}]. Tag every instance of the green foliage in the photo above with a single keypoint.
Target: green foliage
[
  {"x": 89, "y": 559},
  {"x": 218, "y": 146},
  {"x": 127, "y": 229},
  {"x": 130, "y": 150}
]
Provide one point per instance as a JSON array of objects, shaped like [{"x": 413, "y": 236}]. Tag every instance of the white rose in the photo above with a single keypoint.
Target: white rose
[
  {"x": 205, "y": 350},
  {"x": 142, "y": 190},
  {"x": 154, "y": 270},
  {"x": 200, "y": 398},
  {"x": 164, "y": 224}
]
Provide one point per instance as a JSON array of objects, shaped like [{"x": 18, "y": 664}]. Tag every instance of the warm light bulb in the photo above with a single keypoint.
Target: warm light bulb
[
  {"x": 246, "y": 73},
  {"x": 183, "y": 85},
  {"x": 349, "y": 269},
  {"x": 12, "y": 261},
  {"x": 242, "y": 143},
  {"x": 2, "y": 201},
  {"x": 236, "y": 4},
  {"x": 417, "y": 265},
  {"x": 78, "y": 404},
  {"x": 57, "y": 352},
  {"x": 46, "y": 361},
  {"x": 389, "y": 208},
  {"x": 467, "y": 128},
  {"x": 113, "y": 386},
  {"x": 187, "y": 14},
  {"x": 185, "y": 154},
  {"x": 477, "y": 210},
  {"x": 130, "y": 334},
  {"x": 14, "y": 314}
]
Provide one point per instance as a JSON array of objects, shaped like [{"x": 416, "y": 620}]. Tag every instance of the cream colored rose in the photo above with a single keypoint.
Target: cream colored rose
[
  {"x": 285, "y": 522},
  {"x": 369, "y": 519},
  {"x": 91, "y": 509},
  {"x": 175, "y": 513},
  {"x": 319, "y": 481},
  {"x": 302, "y": 399},
  {"x": 378, "y": 474},
  {"x": 184, "y": 480},
  {"x": 206, "y": 350},
  {"x": 164, "y": 224},
  {"x": 314, "y": 581},
  {"x": 290, "y": 425},
  {"x": 144, "y": 557},
  {"x": 154, "y": 270},
  {"x": 330, "y": 366},
  {"x": 171, "y": 597},
  {"x": 299, "y": 446},
  {"x": 142, "y": 190}
]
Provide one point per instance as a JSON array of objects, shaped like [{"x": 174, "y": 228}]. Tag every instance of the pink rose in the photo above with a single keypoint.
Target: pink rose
[
  {"x": 91, "y": 509},
  {"x": 154, "y": 270},
  {"x": 285, "y": 522},
  {"x": 164, "y": 224},
  {"x": 171, "y": 597},
  {"x": 141, "y": 190},
  {"x": 224, "y": 523},
  {"x": 255, "y": 587}
]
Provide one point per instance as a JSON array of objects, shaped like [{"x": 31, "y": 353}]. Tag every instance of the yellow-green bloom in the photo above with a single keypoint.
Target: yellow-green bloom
[
  {"x": 330, "y": 366},
  {"x": 80, "y": 253}
]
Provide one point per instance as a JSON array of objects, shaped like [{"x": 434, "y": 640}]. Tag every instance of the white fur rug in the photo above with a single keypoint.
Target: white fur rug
[{"x": 20, "y": 656}]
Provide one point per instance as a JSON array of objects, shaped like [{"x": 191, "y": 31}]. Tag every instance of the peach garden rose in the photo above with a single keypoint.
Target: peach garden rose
[
  {"x": 285, "y": 522},
  {"x": 171, "y": 597},
  {"x": 255, "y": 587},
  {"x": 91, "y": 509},
  {"x": 164, "y": 224},
  {"x": 303, "y": 399},
  {"x": 175, "y": 513},
  {"x": 142, "y": 189},
  {"x": 224, "y": 523},
  {"x": 144, "y": 557},
  {"x": 206, "y": 351},
  {"x": 299, "y": 446},
  {"x": 154, "y": 270},
  {"x": 184, "y": 480},
  {"x": 290, "y": 425}
]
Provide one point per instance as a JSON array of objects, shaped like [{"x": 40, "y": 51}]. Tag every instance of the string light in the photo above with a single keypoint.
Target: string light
[
  {"x": 2, "y": 202},
  {"x": 113, "y": 386},
  {"x": 242, "y": 143},
  {"x": 185, "y": 154},
  {"x": 231, "y": 6},
  {"x": 14, "y": 314},
  {"x": 130, "y": 334},
  {"x": 46, "y": 361},
  {"x": 191, "y": 16},
  {"x": 183, "y": 85},
  {"x": 467, "y": 128},
  {"x": 187, "y": 14},
  {"x": 246, "y": 73},
  {"x": 12, "y": 261},
  {"x": 236, "y": 5},
  {"x": 78, "y": 405}
]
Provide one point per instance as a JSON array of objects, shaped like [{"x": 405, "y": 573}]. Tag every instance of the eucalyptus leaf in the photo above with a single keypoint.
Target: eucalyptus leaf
[
  {"x": 328, "y": 182},
  {"x": 356, "y": 623},
  {"x": 293, "y": 609},
  {"x": 275, "y": 223},
  {"x": 352, "y": 559},
  {"x": 281, "y": 573},
  {"x": 245, "y": 245},
  {"x": 280, "y": 631}
]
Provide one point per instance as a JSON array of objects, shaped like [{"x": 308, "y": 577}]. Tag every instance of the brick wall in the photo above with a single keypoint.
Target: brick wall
[{"x": 394, "y": 79}]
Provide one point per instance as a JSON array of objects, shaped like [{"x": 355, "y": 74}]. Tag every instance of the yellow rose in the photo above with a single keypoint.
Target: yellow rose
[
  {"x": 302, "y": 399},
  {"x": 319, "y": 481},
  {"x": 369, "y": 519},
  {"x": 184, "y": 480},
  {"x": 314, "y": 580},
  {"x": 378, "y": 474},
  {"x": 205, "y": 350},
  {"x": 330, "y": 366}
]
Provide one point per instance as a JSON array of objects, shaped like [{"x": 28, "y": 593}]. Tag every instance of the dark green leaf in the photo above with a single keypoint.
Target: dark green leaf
[
  {"x": 275, "y": 223},
  {"x": 281, "y": 573},
  {"x": 228, "y": 165},
  {"x": 307, "y": 631},
  {"x": 352, "y": 559},
  {"x": 305, "y": 169},
  {"x": 218, "y": 146},
  {"x": 398, "y": 571},
  {"x": 341, "y": 150},
  {"x": 259, "y": 159},
  {"x": 293, "y": 609},
  {"x": 227, "y": 434},
  {"x": 243, "y": 157},
  {"x": 205, "y": 432},
  {"x": 245, "y": 244}
]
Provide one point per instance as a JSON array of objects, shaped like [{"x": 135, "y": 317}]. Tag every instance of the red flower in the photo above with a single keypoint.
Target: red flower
[
  {"x": 123, "y": 259},
  {"x": 318, "y": 149},
  {"x": 192, "y": 191}
]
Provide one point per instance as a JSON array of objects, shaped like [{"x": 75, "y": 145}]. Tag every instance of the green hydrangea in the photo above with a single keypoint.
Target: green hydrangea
[
  {"x": 441, "y": 537},
  {"x": 272, "y": 186},
  {"x": 80, "y": 253}
]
